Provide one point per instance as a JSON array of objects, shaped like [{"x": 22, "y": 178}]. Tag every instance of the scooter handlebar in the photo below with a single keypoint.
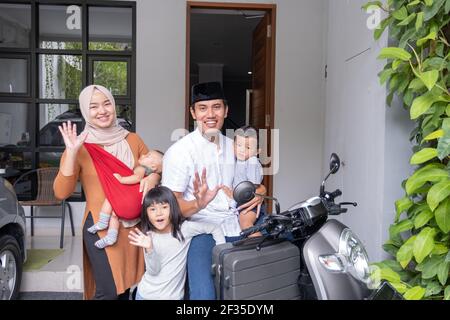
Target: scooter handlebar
[
  {"x": 336, "y": 193},
  {"x": 249, "y": 231}
]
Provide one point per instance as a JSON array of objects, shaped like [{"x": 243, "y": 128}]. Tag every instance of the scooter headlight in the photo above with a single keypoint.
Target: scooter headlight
[
  {"x": 357, "y": 260},
  {"x": 351, "y": 258}
]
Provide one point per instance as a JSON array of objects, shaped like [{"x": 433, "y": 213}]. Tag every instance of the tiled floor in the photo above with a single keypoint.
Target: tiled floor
[{"x": 63, "y": 274}]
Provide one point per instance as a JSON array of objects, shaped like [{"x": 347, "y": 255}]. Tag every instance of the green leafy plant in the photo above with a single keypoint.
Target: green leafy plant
[{"x": 417, "y": 71}]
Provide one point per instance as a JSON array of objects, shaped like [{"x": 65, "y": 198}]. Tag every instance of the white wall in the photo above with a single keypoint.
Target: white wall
[{"x": 371, "y": 140}]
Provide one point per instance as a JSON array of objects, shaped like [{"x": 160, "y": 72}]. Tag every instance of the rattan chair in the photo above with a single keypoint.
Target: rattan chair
[{"x": 46, "y": 198}]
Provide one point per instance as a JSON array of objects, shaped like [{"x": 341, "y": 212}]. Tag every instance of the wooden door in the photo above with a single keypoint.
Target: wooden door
[{"x": 260, "y": 111}]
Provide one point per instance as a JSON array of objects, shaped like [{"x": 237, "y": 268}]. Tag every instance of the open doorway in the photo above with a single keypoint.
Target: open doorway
[{"x": 235, "y": 44}]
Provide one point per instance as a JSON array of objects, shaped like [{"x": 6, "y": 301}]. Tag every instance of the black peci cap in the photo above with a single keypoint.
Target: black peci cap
[{"x": 206, "y": 91}]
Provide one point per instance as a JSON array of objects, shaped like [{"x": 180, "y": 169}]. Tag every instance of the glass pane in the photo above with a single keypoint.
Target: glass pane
[
  {"x": 112, "y": 75},
  {"x": 59, "y": 76},
  {"x": 16, "y": 163},
  {"x": 13, "y": 75},
  {"x": 49, "y": 159},
  {"x": 110, "y": 28},
  {"x": 60, "y": 27},
  {"x": 15, "y": 124},
  {"x": 15, "y": 25},
  {"x": 53, "y": 115}
]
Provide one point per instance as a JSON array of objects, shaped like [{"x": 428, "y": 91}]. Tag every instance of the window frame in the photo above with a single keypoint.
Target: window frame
[
  {"x": 19, "y": 56},
  {"x": 33, "y": 52}
]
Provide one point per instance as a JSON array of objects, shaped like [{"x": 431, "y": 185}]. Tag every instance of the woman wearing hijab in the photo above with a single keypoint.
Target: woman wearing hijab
[{"x": 108, "y": 274}]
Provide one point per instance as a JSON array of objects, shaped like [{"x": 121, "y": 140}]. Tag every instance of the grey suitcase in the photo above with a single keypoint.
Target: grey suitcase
[{"x": 243, "y": 273}]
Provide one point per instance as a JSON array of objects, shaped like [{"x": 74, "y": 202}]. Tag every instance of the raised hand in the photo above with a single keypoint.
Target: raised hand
[
  {"x": 202, "y": 193},
  {"x": 72, "y": 141},
  {"x": 140, "y": 239}
]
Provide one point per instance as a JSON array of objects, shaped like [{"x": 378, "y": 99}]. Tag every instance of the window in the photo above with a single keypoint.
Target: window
[{"x": 48, "y": 53}]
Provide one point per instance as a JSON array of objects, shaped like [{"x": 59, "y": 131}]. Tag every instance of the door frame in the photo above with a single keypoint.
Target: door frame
[{"x": 270, "y": 9}]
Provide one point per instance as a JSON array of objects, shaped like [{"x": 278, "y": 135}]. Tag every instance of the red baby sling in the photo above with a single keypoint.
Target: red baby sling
[{"x": 125, "y": 199}]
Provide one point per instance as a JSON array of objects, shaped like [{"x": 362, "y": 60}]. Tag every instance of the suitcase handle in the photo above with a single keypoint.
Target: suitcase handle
[{"x": 252, "y": 243}]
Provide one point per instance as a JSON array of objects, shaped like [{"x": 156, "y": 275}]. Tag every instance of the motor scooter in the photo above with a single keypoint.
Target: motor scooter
[{"x": 302, "y": 254}]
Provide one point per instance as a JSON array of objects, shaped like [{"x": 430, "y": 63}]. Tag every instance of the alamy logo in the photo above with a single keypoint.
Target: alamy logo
[
  {"x": 73, "y": 21},
  {"x": 73, "y": 280},
  {"x": 373, "y": 21}
]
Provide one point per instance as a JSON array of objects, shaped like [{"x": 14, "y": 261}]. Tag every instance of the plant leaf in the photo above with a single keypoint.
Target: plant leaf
[
  {"x": 430, "y": 36},
  {"x": 416, "y": 85},
  {"x": 447, "y": 7},
  {"x": 400, "y": 287},
  {"x": 433, "y": 288},
  {"x": 400, "y": 14},
  {"x": 419, "y": 21},
  {"x": 423, "y": 155},
  {"x": 434, "y": 135},
  {"x": 384, "y": 75},
  {"x": 430, "y": 267},
  {"x": 435, "y": 63},
  {"x": 405, "y": 253},
  {"x": 396, "y": 63},
  {"x": 439, "y": 249},
  {"x": 385, "y": 274},
  {"x": 400, "y": 227},
  {"x": 415, "y": 293},
  {"x": 447, "y": 293},
  {"x": 394, "y": 53},
  {"x": 442, "y": 272},
  {"x": 442, "y": 215},
  {"x": 406, "y": 37},
  {"x": 444, "y": 142},
  {"x": 379, "y": 31},
  {"x": 422, "y": 104},
  {"x": 437, "y": 193},
  {"x": 391, "y": 249},
  {"x": 422, "y": 218},
  {"x": 429, "y": 78},
  {"x": 421, "y": 176},
  {"x": 443, "y": 147},
  {"x": 428, "y": 2},
  {"x": 430, "y": 12},
  {"x": 378, "y": 4},
  {"x": 394, "y": 265},
  {"x": 413, "y": 3},
  {"x": 402, "y": 205},
  {"x": 418, "y": 207},
  {"x": 407, "y": 20},
  {"x": 424, "y": 244}
]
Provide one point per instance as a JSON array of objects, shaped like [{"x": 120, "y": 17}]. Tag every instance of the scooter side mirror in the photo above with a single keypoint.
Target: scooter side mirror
[
  {"x": 244, "y": 192},
  {"x": 335, "y": 163}
]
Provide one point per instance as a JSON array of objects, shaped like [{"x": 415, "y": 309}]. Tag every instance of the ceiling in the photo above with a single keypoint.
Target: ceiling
[{"x": 224, "y": 37}]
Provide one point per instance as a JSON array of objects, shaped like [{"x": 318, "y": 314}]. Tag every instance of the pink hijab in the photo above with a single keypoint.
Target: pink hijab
[{"x": 112, "y": 138}]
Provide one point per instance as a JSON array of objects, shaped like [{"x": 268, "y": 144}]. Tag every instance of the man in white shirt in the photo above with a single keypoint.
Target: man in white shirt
[{"x": 208, "y": 153}]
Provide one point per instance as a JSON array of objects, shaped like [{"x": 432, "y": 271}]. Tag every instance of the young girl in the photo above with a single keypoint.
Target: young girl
[{"x": 165, "y": 237}]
